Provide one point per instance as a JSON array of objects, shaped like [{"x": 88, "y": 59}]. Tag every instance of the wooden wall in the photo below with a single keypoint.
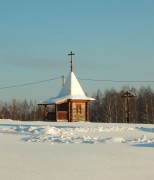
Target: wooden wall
[
  {"x": 79, "y": 111},
  {"x": 71, "y": 111}
]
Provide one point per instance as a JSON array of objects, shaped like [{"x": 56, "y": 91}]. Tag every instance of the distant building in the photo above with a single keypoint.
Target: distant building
[{"x": 71, "y": 104}]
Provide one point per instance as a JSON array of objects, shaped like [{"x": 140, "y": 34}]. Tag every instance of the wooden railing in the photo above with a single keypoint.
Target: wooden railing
[
  {"x": 62, "y": 115},
  {"x": 51, "y": 116}
]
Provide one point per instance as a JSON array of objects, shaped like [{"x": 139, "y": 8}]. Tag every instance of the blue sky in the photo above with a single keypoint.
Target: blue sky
[{"x": 112, "y": 39}]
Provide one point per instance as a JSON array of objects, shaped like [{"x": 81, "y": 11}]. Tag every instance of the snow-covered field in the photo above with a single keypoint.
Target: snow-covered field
[{"x": 78, "y": 151}]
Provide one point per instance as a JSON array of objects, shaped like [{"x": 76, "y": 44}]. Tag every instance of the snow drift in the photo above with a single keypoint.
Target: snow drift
[{"x": 45, "y": 150}]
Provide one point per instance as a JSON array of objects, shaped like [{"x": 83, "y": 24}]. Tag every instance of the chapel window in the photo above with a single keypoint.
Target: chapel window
[{"x": 78, "y": 108}]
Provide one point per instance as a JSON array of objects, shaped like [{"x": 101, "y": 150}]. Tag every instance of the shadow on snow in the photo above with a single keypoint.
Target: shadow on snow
[
  {"x": 151, "y": 130},
  {"x": 146, "y": 145}
]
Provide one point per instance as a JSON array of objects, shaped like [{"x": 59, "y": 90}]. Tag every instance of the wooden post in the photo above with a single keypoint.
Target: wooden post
[
  {"x": 68, "y": 113},
  {"x": 56, "y": 112},
  {"x": 71, "y": 116},
  {"x": 44, "y": 112},
  {"x": 127, "y": 110},
  {"x": 87, "y": 111}
]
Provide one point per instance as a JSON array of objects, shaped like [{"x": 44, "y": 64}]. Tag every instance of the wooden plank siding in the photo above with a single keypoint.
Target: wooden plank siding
[
  {"x": 72, "y": 111},
  {"x": 79, "y": 111}
]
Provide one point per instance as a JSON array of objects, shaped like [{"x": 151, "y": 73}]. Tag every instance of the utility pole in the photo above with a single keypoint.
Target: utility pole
[
  {"x": 71, "y": 54},
  {"x": 63, "y": 80}
]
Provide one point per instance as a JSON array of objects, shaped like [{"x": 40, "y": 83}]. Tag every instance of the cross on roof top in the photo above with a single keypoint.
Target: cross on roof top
[{"x": 71, "y": 54}]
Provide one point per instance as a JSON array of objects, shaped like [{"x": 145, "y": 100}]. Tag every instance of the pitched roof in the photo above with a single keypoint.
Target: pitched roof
[{"x": 70, "y": 90}]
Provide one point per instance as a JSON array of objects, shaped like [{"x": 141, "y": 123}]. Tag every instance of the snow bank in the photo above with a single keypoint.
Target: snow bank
[
  {"x": 78, "y": 151},
  {"x": 77, "y": 133}
]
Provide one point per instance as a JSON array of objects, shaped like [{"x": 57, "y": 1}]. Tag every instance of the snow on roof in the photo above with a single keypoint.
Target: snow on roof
[{"x": 70, "y": 90}]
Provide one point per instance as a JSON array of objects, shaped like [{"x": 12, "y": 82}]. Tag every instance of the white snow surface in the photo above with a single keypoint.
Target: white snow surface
[{"x": 78, "y": 151}]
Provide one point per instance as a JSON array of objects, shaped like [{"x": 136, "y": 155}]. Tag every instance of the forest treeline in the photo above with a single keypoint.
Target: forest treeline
[
  {"x": 108, "y": 107},
  {"x": 21, "y": 110}
]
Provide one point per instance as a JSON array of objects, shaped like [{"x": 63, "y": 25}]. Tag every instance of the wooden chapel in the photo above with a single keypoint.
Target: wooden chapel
[{"x": 71, "y": 104}]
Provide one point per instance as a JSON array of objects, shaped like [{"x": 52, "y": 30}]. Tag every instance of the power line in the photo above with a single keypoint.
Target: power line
[
  {"x": 83, "y": 79},
  {"x": 116, "y": 81},
  {"x": 27, "y": 84}
]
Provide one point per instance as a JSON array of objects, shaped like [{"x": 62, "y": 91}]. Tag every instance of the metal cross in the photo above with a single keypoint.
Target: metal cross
[{"x": 71, "y": 54}]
